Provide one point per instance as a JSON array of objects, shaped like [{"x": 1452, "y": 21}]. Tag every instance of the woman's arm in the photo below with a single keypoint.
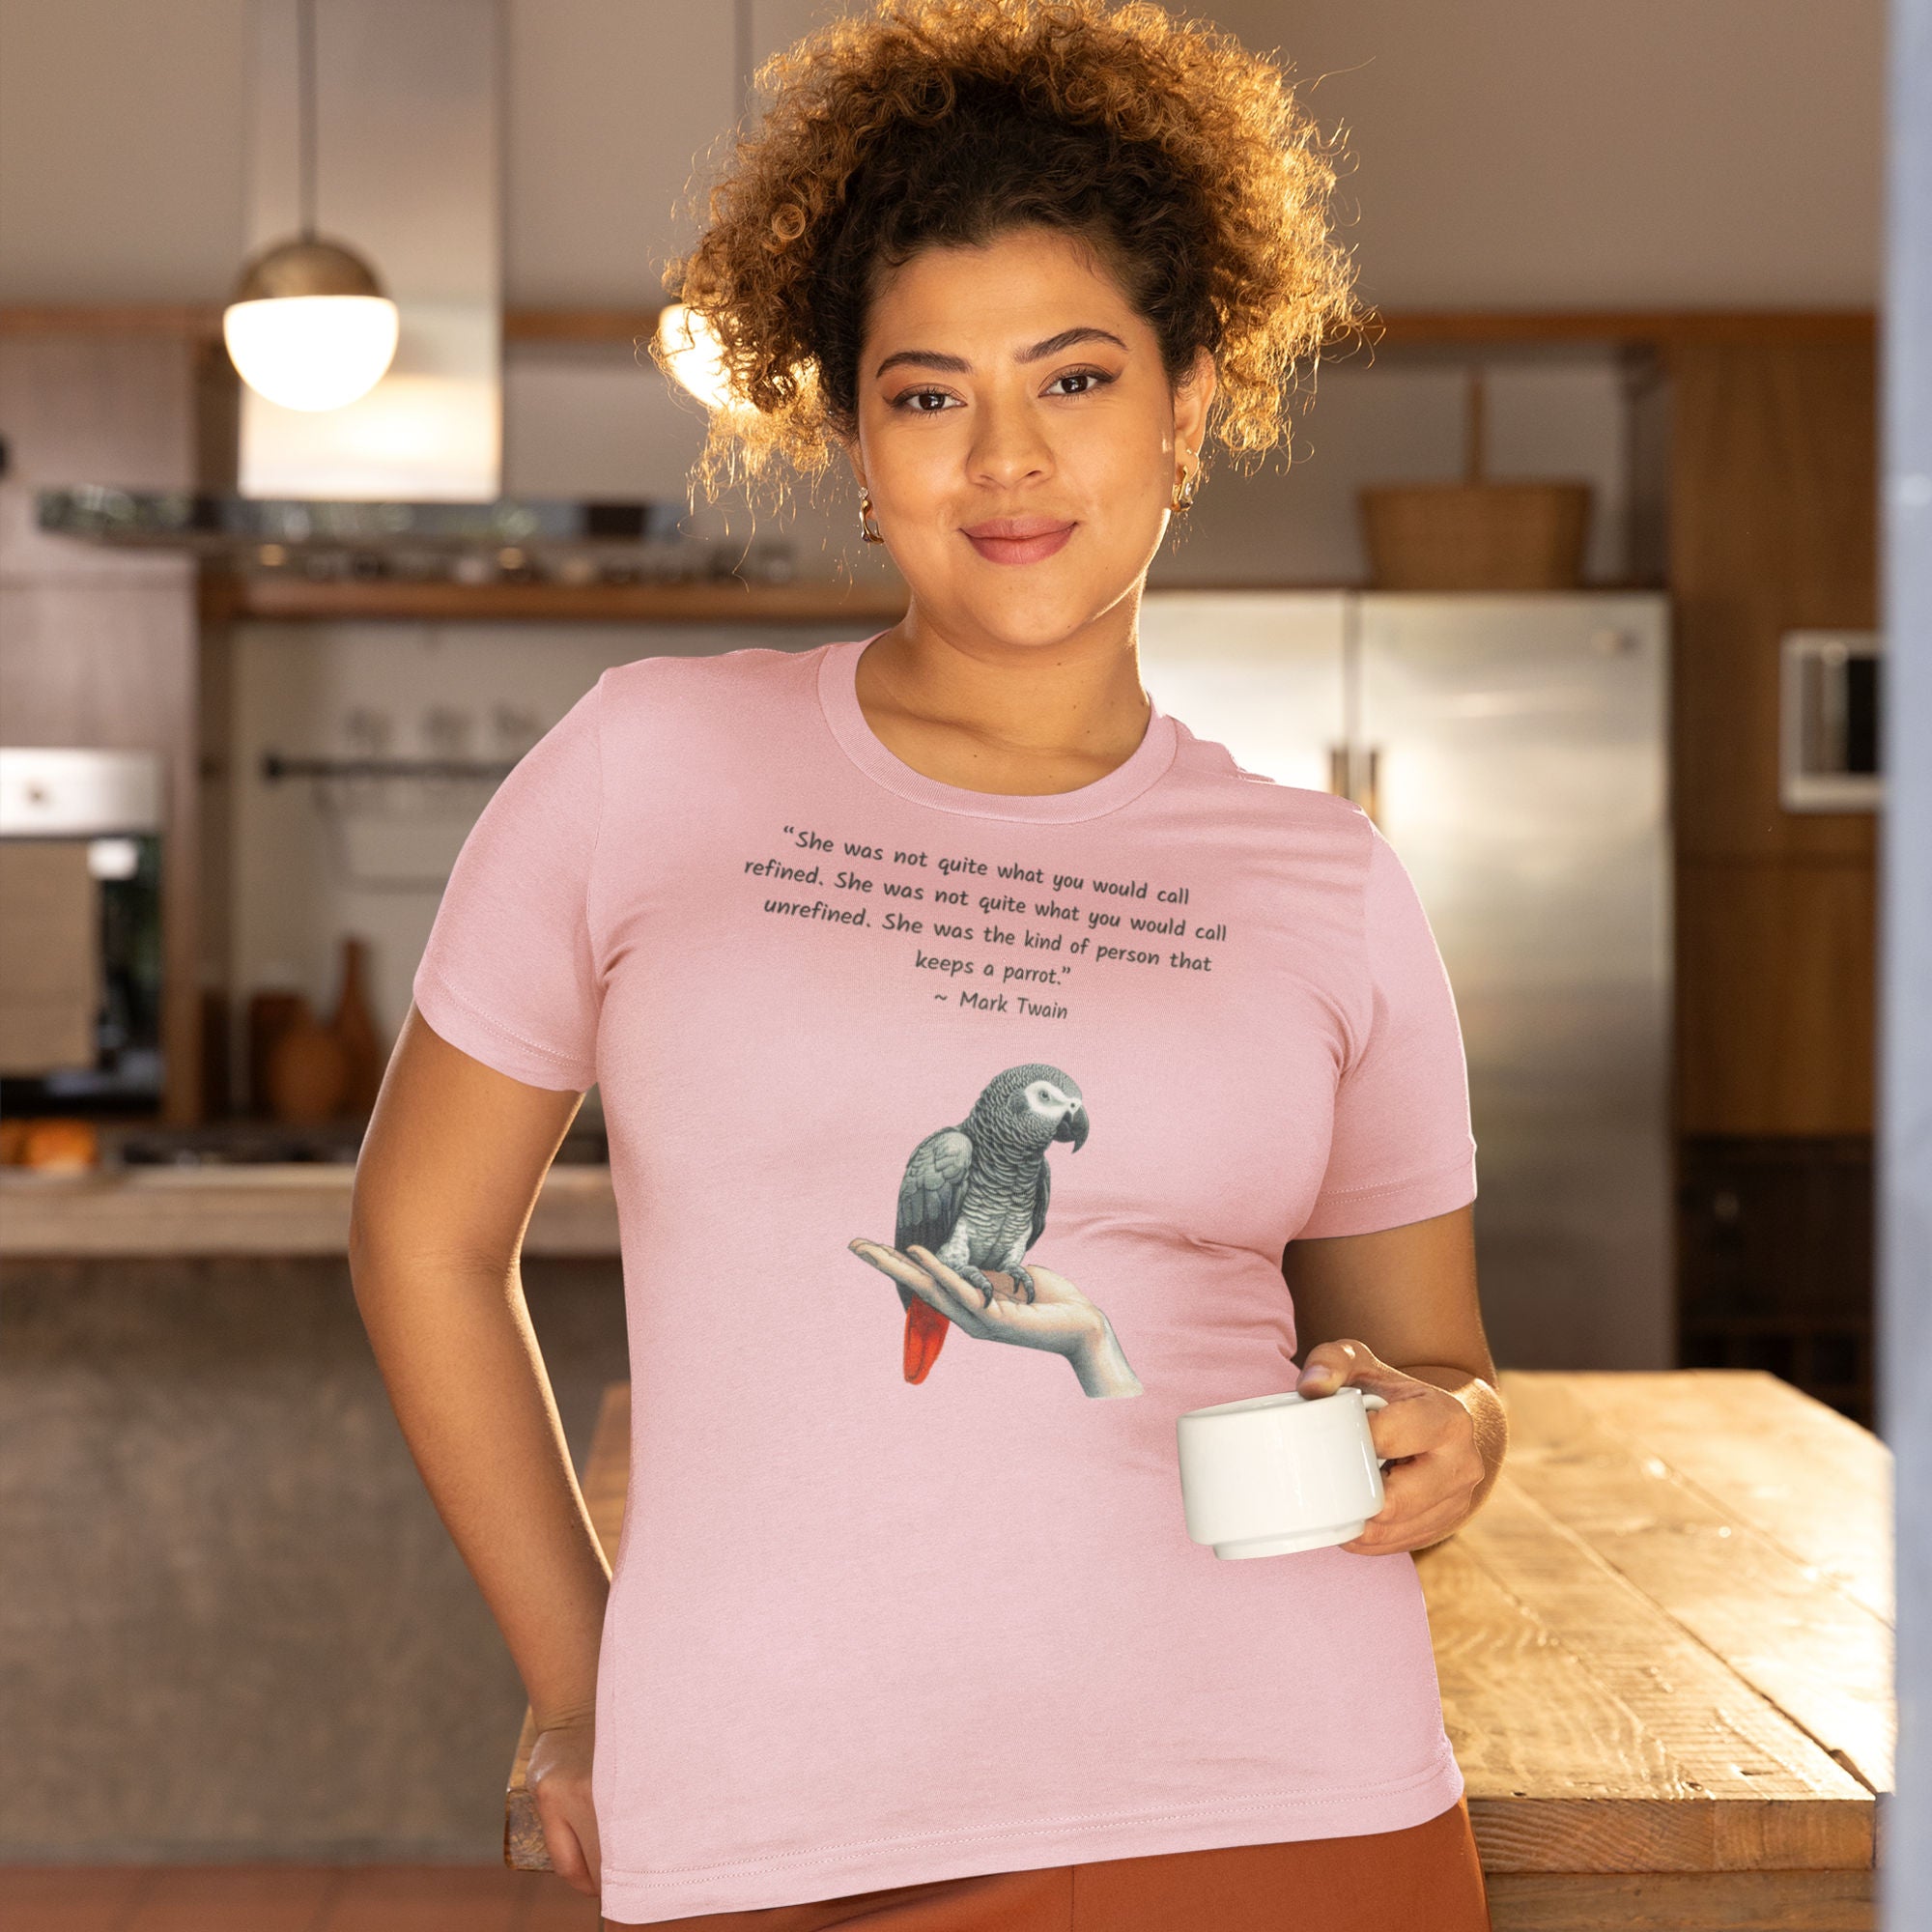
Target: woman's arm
[
  {"x": 1404, "y": 1299},
  {"x": 450, "y": 1172}
]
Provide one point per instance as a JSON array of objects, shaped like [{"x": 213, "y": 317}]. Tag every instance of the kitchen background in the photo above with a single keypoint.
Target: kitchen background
[{"x": 1633, "y": 248}]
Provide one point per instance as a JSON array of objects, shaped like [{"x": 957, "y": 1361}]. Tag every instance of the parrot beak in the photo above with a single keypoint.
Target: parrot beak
[{"x": 1073, "y": 1126}]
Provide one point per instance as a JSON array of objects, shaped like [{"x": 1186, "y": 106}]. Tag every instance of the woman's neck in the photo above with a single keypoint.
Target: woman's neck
[{"x": 1021, "y": 722}]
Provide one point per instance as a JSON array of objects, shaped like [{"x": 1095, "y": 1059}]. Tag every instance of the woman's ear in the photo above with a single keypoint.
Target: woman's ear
[{"x": 1193, "y": 396}]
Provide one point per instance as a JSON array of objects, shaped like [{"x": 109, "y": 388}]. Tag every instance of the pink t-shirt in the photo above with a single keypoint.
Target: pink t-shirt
[{"x": 866, "y": 1631}]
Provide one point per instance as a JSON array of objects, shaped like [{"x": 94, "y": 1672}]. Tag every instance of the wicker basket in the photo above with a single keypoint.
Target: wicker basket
[{"x": 1476, "y": 536}]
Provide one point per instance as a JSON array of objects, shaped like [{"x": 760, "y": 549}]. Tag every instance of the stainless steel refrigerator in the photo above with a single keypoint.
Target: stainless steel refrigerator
[{"x": 1512, "y": 748}]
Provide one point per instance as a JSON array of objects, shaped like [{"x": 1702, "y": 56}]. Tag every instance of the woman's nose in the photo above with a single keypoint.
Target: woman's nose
[{"x": 1008, "y": 448}]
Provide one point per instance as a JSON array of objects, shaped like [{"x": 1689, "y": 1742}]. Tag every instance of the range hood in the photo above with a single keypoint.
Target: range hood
[
  {"x": 328, "y": 539},
  {"x": 239, "y": 530}
]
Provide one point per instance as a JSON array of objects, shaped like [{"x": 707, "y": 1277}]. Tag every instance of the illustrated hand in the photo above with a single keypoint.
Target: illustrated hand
[
  {"x": 1059, "y": 1319},
  {"x": 558, "y": 1777},
  {"x": 1429, "y": 1487}
]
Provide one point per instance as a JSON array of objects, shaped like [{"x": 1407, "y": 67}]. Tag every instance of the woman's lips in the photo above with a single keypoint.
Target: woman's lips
[{"x": 1018, "y": 539}]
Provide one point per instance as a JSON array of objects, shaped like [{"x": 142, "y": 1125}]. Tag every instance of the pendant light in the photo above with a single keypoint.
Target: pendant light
[
  {"x": 687, "y": 342},
  {"x": 308, "y": 326},
  {"x": 692, "y": 352}
]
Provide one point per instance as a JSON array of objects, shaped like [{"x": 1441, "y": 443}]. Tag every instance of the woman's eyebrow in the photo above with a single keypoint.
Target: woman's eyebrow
[
  {"x": 925, "y": 358},
  {"x": 1065, "y": 339},
  {"x": 957, "y": 365}
]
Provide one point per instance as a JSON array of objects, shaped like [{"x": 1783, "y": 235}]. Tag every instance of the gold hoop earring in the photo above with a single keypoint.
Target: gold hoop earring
[
  {"x": 868, "y": 524},
  {"x": 1184, "y": 486}
]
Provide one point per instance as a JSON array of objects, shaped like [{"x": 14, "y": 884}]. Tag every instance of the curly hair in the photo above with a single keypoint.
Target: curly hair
[{"x": 1180, "y": 157}]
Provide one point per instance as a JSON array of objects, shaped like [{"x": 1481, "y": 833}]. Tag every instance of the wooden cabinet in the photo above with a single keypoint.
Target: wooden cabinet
[
  {"x": 1775, "y": 996},
  {"x": 1774, "y": 527},
  {"x": 1775, "y": 1240}
]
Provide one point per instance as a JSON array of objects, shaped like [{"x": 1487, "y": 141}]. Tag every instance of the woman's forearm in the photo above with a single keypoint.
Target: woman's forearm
[{"x": 455, "y": 1346}]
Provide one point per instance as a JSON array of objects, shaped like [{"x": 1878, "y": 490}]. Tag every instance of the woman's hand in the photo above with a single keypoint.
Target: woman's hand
[
  {"x": 1059, "y": 1319},
  {"x": 558, "y": 1778},
  {"x": 1428, "y": 1490}
]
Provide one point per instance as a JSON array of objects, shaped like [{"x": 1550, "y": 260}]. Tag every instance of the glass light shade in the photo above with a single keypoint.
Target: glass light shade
[
  {"x": 312, "y": 352},
  {"x": 692, "y": 352}
]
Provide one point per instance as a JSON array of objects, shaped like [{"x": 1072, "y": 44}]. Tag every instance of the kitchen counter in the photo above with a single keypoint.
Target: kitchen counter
[
  {"x": 270, "y": 1209},
  {"x": 1665, "y": 1649},
  {"x": 214, "y": 1531}
]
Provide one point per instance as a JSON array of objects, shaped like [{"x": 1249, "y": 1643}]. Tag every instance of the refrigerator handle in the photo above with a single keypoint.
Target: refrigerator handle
[{"x": 1342, "y": 778}]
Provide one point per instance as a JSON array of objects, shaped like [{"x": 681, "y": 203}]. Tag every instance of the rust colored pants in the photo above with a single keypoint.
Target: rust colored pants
[{"x": 1423, "y": 1877}]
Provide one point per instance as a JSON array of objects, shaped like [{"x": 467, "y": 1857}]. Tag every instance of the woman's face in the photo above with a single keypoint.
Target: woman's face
[{"x": 1020, "y": 438}]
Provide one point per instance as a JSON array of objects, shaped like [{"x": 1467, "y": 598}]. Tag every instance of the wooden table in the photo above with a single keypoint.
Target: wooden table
[{"x": 1665, "y": 1647}]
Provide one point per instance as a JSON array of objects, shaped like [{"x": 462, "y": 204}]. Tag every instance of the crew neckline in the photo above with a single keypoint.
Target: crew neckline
[{"x": 838, "y": 698}]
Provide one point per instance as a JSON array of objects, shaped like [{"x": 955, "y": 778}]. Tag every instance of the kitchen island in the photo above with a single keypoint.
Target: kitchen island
[
  {"x": 237, "y": 1628},
  {"x": 277, "y": 1209}
]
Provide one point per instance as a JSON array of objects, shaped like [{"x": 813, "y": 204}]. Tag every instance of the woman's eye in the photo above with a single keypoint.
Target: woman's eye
[
  {"x": 923, "y": 402},
  {"x": 1085, "y": 380}
]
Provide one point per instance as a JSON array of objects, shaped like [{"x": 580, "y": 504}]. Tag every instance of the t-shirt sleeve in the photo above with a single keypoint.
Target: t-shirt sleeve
[
  {"x": 509, "y": 972},
  {"x": 1402, "y": 1149}
]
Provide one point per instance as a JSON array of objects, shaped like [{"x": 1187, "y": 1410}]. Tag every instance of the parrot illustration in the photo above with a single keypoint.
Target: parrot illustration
[{"x": 976, "y": 1194}]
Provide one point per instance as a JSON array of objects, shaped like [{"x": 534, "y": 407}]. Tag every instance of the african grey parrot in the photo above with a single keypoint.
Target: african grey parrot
[{"x": 976, "y": 1194}]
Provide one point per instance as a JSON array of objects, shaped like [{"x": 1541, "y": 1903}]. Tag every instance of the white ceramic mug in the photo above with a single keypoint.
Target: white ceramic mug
[{"x": 1279, "y": 1473}]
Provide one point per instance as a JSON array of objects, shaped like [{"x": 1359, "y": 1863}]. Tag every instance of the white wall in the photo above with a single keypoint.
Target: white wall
[
  {"x": 121, "y": 150},
  {"x": 1600, "y": 153},
  {"x": 1507, "y": 153}
]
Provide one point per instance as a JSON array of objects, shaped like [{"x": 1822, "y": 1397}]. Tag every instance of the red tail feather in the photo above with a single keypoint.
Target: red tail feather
[{"x": 924, "y": 1332}]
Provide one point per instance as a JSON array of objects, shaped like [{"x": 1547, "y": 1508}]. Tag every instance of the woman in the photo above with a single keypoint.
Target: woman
[{"x": 949, "y": 956}]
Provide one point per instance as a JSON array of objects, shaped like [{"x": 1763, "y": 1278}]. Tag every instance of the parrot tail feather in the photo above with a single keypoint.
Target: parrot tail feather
[{"x": 924, "y": 1333}]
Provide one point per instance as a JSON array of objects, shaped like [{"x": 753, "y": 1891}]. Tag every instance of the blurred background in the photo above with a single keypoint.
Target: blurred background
[{"x": 1569, "y": 576}]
